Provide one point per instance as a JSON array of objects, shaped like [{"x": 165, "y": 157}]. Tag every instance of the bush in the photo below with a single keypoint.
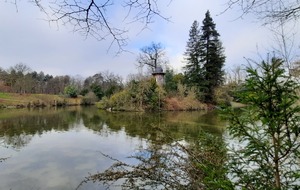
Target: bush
[
  {"x": 89, "y": 99},
  {"x": 71, "y": 91},
  {"x": 221, "y": 96}
]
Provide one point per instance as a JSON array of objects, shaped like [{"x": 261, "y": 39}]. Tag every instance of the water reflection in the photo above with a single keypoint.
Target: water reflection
[
  {"x": 17, "y": 127},
  {"x": 57, "y": 148}
]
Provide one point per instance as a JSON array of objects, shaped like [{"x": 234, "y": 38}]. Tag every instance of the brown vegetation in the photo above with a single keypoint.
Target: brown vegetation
[
  {"x": 14, "y": 100},
  {"x": 183, "y": 104}
]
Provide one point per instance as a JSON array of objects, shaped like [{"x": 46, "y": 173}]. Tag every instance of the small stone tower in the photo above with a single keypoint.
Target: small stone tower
[{"x": 159, "y": 76}]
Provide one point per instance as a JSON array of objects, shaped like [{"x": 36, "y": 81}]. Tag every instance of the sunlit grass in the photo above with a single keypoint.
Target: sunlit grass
[
  {"x": 4, "y": 95},
  {"x": 15, "y": 99}
]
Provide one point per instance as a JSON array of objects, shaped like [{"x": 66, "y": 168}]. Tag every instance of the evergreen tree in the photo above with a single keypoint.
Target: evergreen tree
[
  {"x": 266, "y": 152},
  {"x": 193, "y": 74},
  {"x": 212, "y": 56},
  {"x": 204, "y": 59}
]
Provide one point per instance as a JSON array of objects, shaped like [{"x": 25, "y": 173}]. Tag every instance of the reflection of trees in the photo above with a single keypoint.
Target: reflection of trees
[
  {"x": 91, "y": 119},
  {"x": 18, "y": 127},
  {"x": 166, "y": 162},
  {"x": 3, "y": 159},
  {"x": 169, "y": 164},
  {"x": 178, "y": 124},
  {"x": 16, "y": 141},
  {"x": 17, "y": 130}
]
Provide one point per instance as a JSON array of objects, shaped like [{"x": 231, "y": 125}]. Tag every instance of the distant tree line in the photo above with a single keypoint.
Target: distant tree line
[{"x": 21, "y": 79}]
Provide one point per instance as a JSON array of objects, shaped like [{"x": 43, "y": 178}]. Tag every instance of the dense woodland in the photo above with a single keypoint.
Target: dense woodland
[{"x": 21, "y": 79}]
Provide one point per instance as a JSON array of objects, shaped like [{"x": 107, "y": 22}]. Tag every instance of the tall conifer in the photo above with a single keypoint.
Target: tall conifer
[
  {"x": 204, "y": 59},
  {"x": 193, "y": 69},
  {"x": 212, "y": 56}
]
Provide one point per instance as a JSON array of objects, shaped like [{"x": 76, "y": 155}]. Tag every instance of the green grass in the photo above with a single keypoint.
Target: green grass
[
  {"x": 14, "y": 99},
  {"x": 4, "y": 95}
]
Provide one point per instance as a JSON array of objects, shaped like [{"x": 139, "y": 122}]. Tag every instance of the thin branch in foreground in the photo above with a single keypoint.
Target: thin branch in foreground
[{"x": 165, "y": 164}]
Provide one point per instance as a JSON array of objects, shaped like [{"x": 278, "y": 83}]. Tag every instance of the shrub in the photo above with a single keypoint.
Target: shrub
[
  {"x": 70, "y": 91},
  {"x": 89, "y": 99}
]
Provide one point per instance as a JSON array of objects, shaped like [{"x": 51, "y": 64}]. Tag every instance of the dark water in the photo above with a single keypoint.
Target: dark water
[{"x": 58, "y": 148}]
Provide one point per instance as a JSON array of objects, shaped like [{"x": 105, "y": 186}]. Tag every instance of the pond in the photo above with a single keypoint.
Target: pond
[{"x": 58, "y": 148}]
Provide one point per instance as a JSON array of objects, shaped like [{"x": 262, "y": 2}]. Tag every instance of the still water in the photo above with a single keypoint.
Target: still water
[{"x": 57, "y": 148}]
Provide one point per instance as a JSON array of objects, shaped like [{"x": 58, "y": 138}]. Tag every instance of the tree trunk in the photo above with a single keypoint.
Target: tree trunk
[{"x": 276, "y": 163}]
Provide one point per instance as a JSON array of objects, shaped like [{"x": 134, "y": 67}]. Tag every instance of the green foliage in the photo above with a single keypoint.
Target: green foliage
[
  {"x": 212, "y": 54},
  {"x": 104, "y": 103},
  {"x": 97, "y": 91},
  {"x": 193, "y": 69},
  {"x": 172, "y": 81},
  {"x": 151, "y": 96},
  {"x": 83, "y": 92},
  {"x": 138, "y": 95},
  {"x": 71, "y": 91},
  {"x": 205, "y": 59},
  {"x": 209, "y": 157},
  {"x": 119, "y": 99},
  {"x": 4, "y": 95},
  {"x": 222, "y": 96},
  {"x": 266, "y": 154},
  {"x": 103, "y": 84}
]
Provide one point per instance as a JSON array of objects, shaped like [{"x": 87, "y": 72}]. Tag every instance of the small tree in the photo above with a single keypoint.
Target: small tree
[
  {"x": 267, "y": 131},
  {"x": 71, "y": 91},
  {"x": 172, "y": 80}
]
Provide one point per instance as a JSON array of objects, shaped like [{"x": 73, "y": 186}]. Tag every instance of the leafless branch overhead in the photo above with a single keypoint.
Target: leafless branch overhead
[
  {"x": 95, "y": 17},
  {"x": 269, "y": 10}
]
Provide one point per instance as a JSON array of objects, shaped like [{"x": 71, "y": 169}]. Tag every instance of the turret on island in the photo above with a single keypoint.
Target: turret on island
[{"x": 159, "y": 76}]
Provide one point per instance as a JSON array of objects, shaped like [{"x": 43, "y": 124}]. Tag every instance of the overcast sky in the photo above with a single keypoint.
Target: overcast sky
[{"x": 26, "y": 38}]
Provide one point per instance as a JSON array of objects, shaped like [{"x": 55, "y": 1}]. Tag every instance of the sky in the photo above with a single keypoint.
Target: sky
[{"x": 25, "y": 37}]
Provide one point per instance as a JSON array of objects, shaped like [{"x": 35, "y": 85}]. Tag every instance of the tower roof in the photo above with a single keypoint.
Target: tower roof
[{"x": 158, "y": 70}]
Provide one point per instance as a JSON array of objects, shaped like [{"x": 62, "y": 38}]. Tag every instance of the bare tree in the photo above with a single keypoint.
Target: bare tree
[
  {"x": 153, "y": 56},
  {"x": 236, "y": 74},
  {"x": 284, "y": 37},
  {"x": 268, "y": 10},
  {"x": 276, "y": 15},
  {"x": 96, "y": 18},
  {"x": 21, "y": 69}
]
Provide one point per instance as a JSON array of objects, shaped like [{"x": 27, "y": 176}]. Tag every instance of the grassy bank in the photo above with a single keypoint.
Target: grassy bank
[{"x": 13, "y": 100}]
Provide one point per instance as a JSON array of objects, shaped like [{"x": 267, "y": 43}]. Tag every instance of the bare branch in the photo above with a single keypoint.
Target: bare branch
[
  {"x": 93, "y": 18},
  {"x": 152, "y": 56},
  {"x": 268, "y": 10},
  {"x": 165, "y": 163}
]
